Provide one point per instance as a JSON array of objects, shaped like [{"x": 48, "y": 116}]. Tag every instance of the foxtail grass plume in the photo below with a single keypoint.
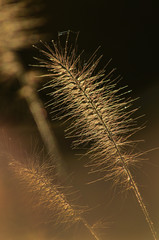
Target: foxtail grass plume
[
  {"x": 101, "y": 113},
  {"x": 18, "y": 27},
  {"x": 47, "y": 195}
]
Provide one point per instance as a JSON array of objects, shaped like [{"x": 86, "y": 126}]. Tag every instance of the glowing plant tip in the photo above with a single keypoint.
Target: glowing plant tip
[{"x": 100, "y": 112}]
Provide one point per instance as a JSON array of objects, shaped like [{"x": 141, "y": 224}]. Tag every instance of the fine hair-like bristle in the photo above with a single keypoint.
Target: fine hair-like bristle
[
  {"x": 49, "y": 196},
  {"x": 100, "y": 114},
  {"x": 46, "y": 194}
]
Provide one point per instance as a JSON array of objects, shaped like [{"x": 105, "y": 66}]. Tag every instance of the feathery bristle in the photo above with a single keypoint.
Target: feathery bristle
[
  {"x": 49, "y": 196},
  {"x": 46, "y": 195},
  {"x": 100, "y": 114}
]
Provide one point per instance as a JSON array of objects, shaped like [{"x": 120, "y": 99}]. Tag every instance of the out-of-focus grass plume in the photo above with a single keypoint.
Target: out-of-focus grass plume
[
  {"x": 19, "y": 24},
  {"x": 19, "y": 28},
  {"x": 46, "y": 194}
]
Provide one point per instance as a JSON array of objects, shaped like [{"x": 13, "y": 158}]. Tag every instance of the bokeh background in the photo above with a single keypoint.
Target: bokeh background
[{"x": 127, "y": 32}]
